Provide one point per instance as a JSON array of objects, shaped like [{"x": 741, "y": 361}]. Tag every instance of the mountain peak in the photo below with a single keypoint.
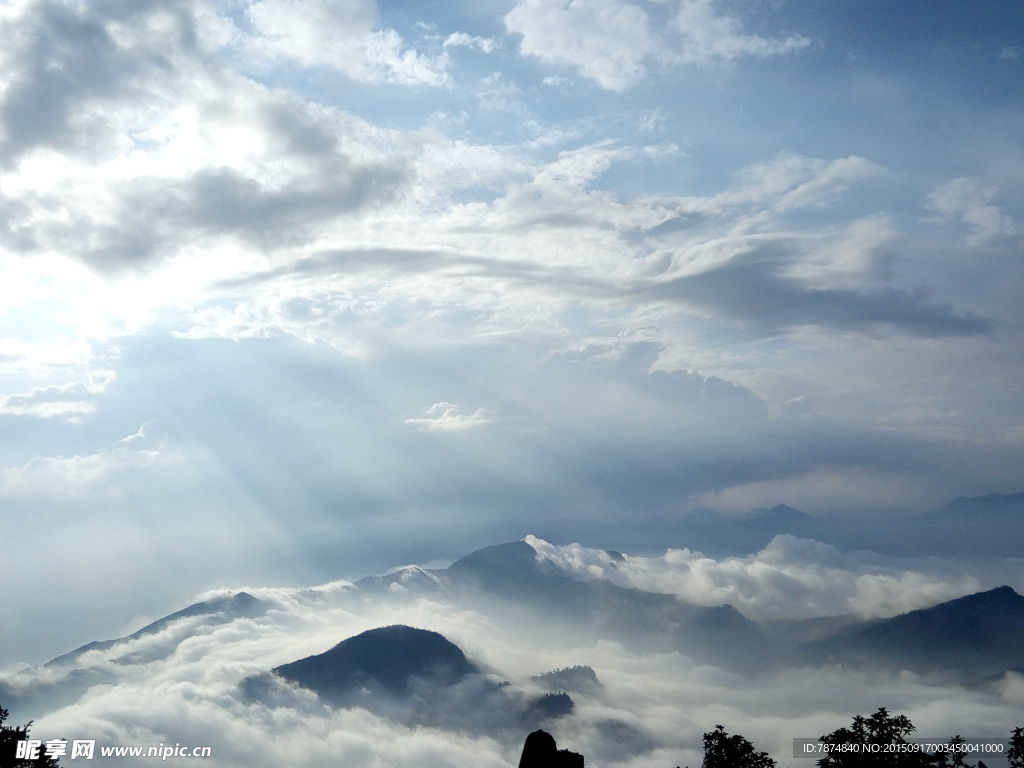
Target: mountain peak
[
  {"x": 512, "y": 555},
  {"x": 384, "y": 659}
]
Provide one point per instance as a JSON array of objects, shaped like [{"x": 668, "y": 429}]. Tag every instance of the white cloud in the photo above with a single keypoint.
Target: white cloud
[
  {"x": 68, "y": 476},
  {"x": 69, "y": 401},
  {"x": 617, "y": 43},
  {"x": 181, "y": 685},
  {"x": 968, "y": 200},
  {"x": 448, "y": 417},
  {"x": 789, "y": 578},
  {"x": 788, "y": 182},
  {"x": 607, "y": 40},
  {"x": 707, "y": 37},
  {"x": 464, "y": 40},
  {"x": 343, "y": 35}
]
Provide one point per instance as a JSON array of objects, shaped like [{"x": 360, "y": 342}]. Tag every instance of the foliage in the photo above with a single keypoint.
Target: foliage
[
  {"x": 724, "y": 751},
  {"x": 1016, "y": 753},
  {"x": 881, "y": 728},
  {"x": 9, "y": 738}
]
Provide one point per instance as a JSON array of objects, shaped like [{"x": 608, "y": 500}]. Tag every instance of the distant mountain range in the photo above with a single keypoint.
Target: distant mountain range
[
  {"x": 976, "y": 527},
  {"x": 420, "y": 676}
]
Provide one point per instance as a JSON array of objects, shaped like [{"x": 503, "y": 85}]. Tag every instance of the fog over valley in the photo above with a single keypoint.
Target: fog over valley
[{"x": 528, "y": 634}]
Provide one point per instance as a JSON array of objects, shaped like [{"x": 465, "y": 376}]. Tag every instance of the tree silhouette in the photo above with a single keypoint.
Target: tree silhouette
[
  {"x": 1015, "y": 756},
  {"x": 879, "y": 729},
  {"x": 956, "y": 756},
  {"x": 9, "y": 738},
  {"x": 724, "y": 751}
]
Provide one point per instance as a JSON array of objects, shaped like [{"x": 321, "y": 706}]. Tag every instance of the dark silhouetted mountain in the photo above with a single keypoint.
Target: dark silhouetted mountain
[
  {"x": 580, "y": 679},
  {"x": 407, "y": 675},
  {"x": 972, "y": 637},
  {"x": 387, "y": 660},
  {"x": 548, "y": 707},
  {"x": 541, "y": 751}
]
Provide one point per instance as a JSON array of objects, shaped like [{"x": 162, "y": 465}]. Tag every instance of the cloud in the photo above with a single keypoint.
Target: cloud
[
  {"x": 288, "y": 177},
  {"x": 781, "y": 184},
  {"x": 616, "y": 43},
  {"x": 70, "y": 65},
  {"x": 789, "y": 578},
  {"x": 755, "y": 291},
  {"x": 967, "y": 200},
  {"x": 302, "y": 228},
  {"x": 66, "y": 476},
  {"x": 446, "y": 417},
  {"x": 343, "y": 35},
  {"x": 181, "y": 685},
  {"x": 70, "y": 401},
  {"x": 464, "y": 40},
  {"x": 707, "y": 37},
  {"x": 607, "y": 40}
]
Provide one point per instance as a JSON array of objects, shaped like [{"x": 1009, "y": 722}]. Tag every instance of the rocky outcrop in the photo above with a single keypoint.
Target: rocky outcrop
[{"x": 541, "y": 751}]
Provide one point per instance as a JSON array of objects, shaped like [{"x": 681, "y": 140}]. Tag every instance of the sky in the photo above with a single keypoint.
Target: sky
[{"x": 292, "y": 291}]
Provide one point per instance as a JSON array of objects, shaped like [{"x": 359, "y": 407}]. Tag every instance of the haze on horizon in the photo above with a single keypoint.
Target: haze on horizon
[{"x": 297, "y": 291}]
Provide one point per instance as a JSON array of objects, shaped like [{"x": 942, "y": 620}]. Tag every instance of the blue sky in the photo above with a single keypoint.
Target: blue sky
[{"x": 293, "y": 290}]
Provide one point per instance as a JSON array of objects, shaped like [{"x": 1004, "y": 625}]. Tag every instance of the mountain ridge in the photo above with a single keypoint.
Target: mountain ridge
[{"x": 974, "y": 636}]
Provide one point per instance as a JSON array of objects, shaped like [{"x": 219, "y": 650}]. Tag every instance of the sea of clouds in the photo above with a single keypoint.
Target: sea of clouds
[{"x": 181, "y": 685}]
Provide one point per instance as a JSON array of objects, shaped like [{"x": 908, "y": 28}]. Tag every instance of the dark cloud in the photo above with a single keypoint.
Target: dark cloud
[
  {"x": 153, "y": 217},
  {"x": 63, "y": 61},
  {"x": 757, "y": 294}
]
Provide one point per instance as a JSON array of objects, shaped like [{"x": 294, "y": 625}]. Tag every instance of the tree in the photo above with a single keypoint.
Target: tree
[
  {"x": 879, "y": 729},
  {"x": 956, "y": 755},
  {"x": 1015, "y": 756},
  {"x": 9, "y": 738},
  {"x": 724, "y": 751}
]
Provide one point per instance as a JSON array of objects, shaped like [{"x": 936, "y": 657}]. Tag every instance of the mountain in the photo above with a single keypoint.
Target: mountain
[
  {"x": 708, "y": 530},
  {"x": 541, "y": 751},
  {"x": 978, "y": 527},
  {"x": 969, "y": 638},
  {"x": 68, "y": 676},
  {"x": 969, "y": 528},
  {"x": 389, "y": 659},
  {"x": 220, "y": 610},
  {"x": 580, "y": 678},
  {"x": 413, "y": 676},
  {"x": 995, "y": 507},
  {"x": 546, "y": 708},
  {"x": 513, "y": 572}
]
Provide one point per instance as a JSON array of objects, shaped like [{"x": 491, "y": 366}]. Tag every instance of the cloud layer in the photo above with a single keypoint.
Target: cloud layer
[{"x": 181, "y": 684}]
